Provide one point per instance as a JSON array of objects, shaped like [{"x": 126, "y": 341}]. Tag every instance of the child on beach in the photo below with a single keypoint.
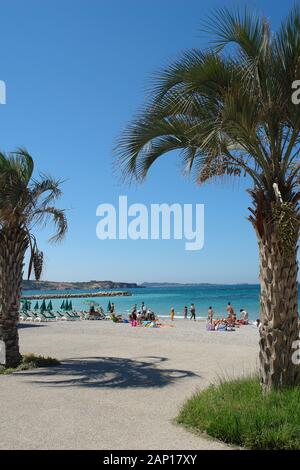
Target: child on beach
[
  {"x": 185, "y": 312},
  {"x": 172, "y": 314}
]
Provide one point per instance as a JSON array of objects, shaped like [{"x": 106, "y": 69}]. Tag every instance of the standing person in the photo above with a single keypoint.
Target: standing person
[
  {"x": 231, "y": 313},
  {"x": 210, "y": 315},
  {"x": 112, "y": 308},
  {"x": 185, "y": 312},
  {"x": 229, "y": 309},
  {"x": 172, "y": 314},
  {"x": 193, "y": 312},
  {"x": 133, "y": 315}
]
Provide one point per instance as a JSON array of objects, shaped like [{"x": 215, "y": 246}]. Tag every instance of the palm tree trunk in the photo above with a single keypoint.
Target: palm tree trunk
[
  {"x": 279, "y": 313},
  {"x": 13, "y": 245}
]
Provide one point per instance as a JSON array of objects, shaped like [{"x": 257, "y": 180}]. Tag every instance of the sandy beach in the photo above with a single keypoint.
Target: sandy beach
[{"x": 118, "y": 387}]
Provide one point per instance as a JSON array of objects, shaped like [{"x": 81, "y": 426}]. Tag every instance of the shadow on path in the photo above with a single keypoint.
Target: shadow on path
[
  {"x": 110, "y": 372},
  {"x": 29, "y": 325}
]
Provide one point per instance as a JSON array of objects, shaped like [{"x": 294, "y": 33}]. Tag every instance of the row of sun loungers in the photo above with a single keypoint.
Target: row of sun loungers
[{"x": 55, "y": 316}]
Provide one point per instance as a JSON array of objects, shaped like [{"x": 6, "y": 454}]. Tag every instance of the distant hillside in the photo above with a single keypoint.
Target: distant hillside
[
  {"x": 53, "y": 285},
  {"x": 172, "y": 284},
  {"x": 193, "y": 284}
]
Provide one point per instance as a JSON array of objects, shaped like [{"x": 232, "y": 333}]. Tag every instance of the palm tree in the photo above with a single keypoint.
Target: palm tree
[
  {"x": 229, "y": 111},
  {"x": 24, "y": 203}
]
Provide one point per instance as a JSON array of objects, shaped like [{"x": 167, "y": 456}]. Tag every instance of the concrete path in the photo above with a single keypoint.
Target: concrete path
[{"x": 118, "y": 387}]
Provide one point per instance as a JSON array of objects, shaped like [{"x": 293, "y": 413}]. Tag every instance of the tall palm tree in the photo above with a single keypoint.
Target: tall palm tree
[
  {"x": 229, "y": 111},
  {"x": 24, "y": 203}
]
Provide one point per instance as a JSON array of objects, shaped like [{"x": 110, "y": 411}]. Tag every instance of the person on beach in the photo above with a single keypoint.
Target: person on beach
[
  {"x": 133, "y": 315},
  {"x": 193, "y": 312},
  {"x": 185, "y": 312},
  {"x": 143, "y": 310},
  {"x": 229, "y": 309},
  {"x": 152, "y": 316},
  {"x": 112, "y": 308},
  {"x": 231, "y": 313},
  {"x": 148, "y": 315},
  {"x": 244, "y": 315},
  {"x": 210, "y": 315},
  {"x": 172, "y": 314}
]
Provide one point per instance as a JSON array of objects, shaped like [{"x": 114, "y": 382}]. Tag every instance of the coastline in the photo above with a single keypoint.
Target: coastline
[{"x": 161, "y": 299}]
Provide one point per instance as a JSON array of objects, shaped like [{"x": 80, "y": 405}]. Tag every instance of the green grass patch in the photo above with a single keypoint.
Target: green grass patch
[
  {"x": 237, "y": 413},
  {"x": 30, "y": 361}
]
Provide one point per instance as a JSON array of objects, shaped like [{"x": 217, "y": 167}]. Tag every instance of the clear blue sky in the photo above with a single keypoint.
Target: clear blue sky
[{"x": 76, "y": 71}]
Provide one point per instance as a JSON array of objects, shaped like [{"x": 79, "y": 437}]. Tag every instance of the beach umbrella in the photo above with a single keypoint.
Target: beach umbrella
[
  {"x": 70, "y": 305},
  {"x": 92, "y": 302},
  {"x": 36, "y": 307},
  {"x": 43, "y": 306},
  {"x": 63, "y": 305},
  {"x": 49, "y": 306},
  {"x": 109, "y": 306}
]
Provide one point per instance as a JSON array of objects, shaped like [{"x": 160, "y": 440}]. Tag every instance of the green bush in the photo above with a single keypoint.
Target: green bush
[
  {"x": 30, "y": 361},
  {"x": 236, "y": 412}
]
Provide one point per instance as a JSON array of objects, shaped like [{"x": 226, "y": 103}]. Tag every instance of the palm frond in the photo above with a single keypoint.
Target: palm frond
[
  {"x": 226, "y": 110},
  {"x": 52, "y": 214},
  {"x": 47, "y": 188}
]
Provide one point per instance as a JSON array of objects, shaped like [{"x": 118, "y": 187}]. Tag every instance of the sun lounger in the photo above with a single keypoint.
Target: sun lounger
[
  {"x": 43, "y": 317},
  {"x": 32, "y": 316},
  {"x": 96, "y": 315},
  {"x": 24, "y": 316},
  {"x": 60, "y": 316},
  {"x": 70, "y": 316}
]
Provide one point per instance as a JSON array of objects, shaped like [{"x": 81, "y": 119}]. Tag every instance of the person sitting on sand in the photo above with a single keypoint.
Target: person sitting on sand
[
  {"x": 221, "y": 324},
  {"x": 148, "y": 315},
  {"x": 244, "y": 316},
  {"x": 152, "y": 316},
  {"x": 172, "y": 314},
  {"x": 116, "y": 318}
]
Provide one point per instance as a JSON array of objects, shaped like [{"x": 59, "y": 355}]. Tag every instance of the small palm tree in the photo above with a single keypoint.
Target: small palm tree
[
  {"x": 24, "y": 203},
  {"x": 229, "y": 111}
]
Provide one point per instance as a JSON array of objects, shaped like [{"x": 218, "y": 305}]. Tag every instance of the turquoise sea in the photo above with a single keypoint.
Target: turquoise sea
[{"x": 161, "y": 299}]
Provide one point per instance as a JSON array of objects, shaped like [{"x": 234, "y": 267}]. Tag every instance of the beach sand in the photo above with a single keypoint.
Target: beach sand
[{"x": 118, "y": 387}]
